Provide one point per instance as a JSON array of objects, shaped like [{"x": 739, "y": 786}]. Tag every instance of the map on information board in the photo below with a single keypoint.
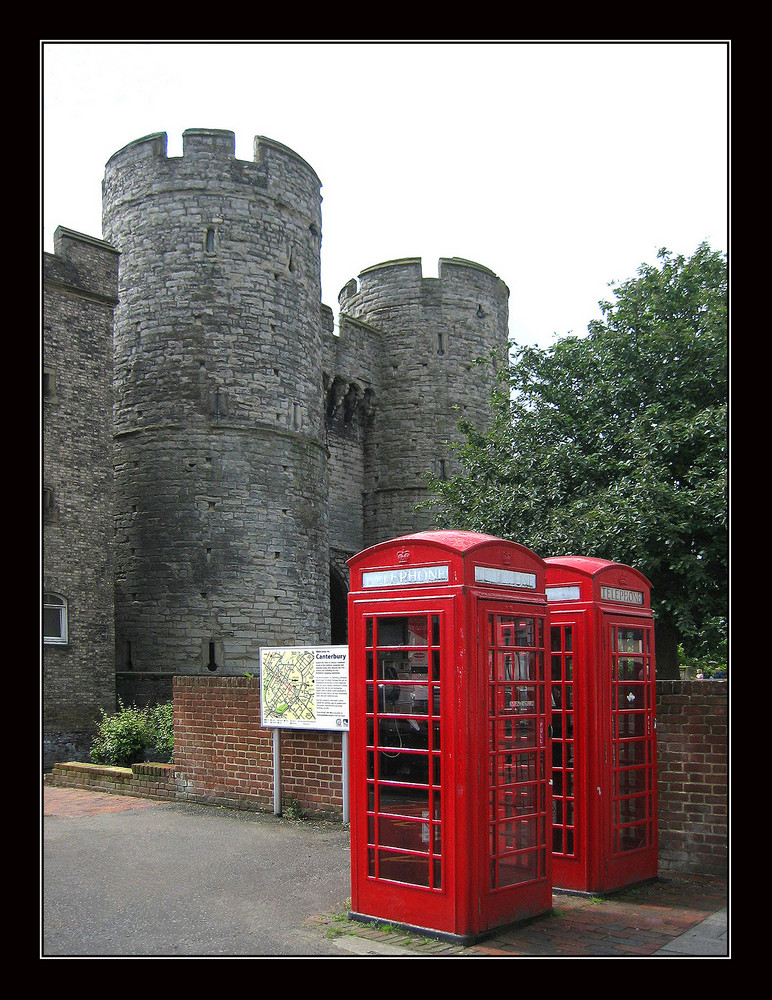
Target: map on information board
[{"x": 304, "y": 687}]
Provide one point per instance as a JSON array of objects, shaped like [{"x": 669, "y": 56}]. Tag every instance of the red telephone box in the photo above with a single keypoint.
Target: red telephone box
[
  {"x": 449, "y": 718},
  {"x": 604, "y": 753}
]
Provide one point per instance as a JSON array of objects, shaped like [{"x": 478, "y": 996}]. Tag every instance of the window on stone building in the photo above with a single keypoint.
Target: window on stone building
[
  {"x": 49, "y": 384},
  {"x": 48, "y": 502},
  {"x": 54, "y": 619},
  {"x": 211, "y": 239}
]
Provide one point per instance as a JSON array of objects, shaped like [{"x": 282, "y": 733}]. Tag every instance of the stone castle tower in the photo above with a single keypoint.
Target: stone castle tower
[
  {"x": 255, "y": 449},
  {"x": 431, "y": 331}
]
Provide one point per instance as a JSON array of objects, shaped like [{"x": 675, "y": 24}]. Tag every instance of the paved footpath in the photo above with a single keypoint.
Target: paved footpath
[{"x": 126, "y": 877}]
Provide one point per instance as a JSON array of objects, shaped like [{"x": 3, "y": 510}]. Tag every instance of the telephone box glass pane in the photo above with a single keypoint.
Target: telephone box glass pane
[
  {"x": 404, "y": 763},
  {"x": 630, "y": 640},
  {"x": 631, "y": 782},
  {"x": 632, "y": 753},
  {"x": 403, "y": 801},
  {"x": 395, "y": 866},
  {"x": 403, "y": 699},
  {"x": 516, "y": 738},
  {"x": 630, "y": 668},
  {"x": 400, "y": 734},
  {"x": 562, "y": 699},
  {"x": 632, "y": 729},
  {"x": 630, "y": 697},
  {"x": 407, "y": 767}
]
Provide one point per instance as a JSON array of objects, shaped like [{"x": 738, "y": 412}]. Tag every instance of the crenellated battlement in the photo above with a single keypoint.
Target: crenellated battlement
[
  {"x": 209, "y": 142},
  {"x": 208, "y": 159},
  {"x": 402, "y": 273},
  {"x": 196, "y": 141},
  {"x": 141, "y": 150},
  {"x": 455, "y": 265},
  {"x": 267, "y": 150}
]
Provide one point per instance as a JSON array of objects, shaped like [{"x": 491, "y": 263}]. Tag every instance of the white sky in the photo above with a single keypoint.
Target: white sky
[{"x": 560, "y": 166}]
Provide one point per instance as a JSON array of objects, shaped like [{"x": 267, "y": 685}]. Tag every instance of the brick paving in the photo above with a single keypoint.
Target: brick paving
[
  {"x": 634, "y": 922},
  {"x": 66, "y": 802}
]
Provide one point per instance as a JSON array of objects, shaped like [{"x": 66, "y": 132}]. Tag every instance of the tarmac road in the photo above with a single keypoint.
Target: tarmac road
[{"x": 140, "y": 878}]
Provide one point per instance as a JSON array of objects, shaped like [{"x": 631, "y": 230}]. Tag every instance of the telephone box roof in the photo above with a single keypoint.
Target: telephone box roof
[
  {"x": 590, "y": 565},
  {"x": 454, "y": 541}
]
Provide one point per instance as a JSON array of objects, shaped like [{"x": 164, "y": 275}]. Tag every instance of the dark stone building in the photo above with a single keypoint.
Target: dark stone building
[
  {"x": 80, "y": 284},
  {"x": 256, "y": 447}
]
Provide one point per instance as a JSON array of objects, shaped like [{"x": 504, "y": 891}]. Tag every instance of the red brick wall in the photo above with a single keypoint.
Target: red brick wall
[
  {"x": 224, "y": 756},
  {"x": 693, "y": 751},
  {"x": 145, "y": 781}
]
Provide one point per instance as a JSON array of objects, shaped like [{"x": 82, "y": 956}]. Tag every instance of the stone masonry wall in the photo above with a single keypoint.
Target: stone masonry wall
[
  {"x": 351, "y": 409},
  {"x": 432, "y": 332},
  {"x": 79, "y": 289}
]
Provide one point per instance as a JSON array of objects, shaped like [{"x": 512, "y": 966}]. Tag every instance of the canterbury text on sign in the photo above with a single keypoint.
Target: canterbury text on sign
[{"x": 415, "y": 576}]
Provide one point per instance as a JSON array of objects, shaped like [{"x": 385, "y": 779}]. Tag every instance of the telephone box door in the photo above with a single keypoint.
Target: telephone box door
[
  {"x": 631, "y": 751},
  {"x": 517, "y": 856},
  {"x": 402, "y": 787},
  {"x": 574, "y": 822}
]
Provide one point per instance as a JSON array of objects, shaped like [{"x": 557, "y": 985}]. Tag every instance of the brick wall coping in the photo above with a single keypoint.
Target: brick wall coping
[{"x": 110, "y": 770}]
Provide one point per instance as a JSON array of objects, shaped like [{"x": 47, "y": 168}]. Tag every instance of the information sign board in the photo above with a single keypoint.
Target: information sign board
[{"x": 304, "y": 687}]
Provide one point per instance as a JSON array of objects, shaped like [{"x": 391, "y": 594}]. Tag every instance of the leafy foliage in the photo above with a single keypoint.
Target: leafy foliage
[
  {"x": 131, "y": 734},
  {"x": 161, "y": 730},
  {"x": 615, "y": 444},
  {"x": 713, "y": 666}
]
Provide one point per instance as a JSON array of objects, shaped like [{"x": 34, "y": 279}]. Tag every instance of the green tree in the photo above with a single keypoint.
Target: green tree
[{"x": 615, "y": 445}]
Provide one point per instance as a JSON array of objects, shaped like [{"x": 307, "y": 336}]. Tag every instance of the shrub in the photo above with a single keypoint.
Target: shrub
[
  {"x": 161, "y": 725},
  {"x": 134, "y": 734}
]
